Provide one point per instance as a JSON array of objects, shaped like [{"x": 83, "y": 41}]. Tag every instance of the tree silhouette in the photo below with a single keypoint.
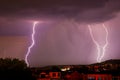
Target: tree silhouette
[{"x": 14, "y": 69}]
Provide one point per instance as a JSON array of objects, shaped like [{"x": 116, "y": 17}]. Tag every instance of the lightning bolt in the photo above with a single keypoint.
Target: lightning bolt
[
  {"x": 106, "y": 42},
  {"x": 32, "y": 44},
  {"x": 97, "y": 45},
  {"x": 101, "y": 49}
]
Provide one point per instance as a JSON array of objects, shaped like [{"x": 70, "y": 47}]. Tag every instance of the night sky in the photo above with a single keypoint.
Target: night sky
[{"x": 62, "y": 36}]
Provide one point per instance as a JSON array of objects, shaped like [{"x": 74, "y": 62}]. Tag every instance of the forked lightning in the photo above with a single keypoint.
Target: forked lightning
[{"x": 100, "y": 49}]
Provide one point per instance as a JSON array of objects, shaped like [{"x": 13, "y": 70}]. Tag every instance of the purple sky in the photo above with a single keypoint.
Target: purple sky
[{"x": 63, "y": 37}]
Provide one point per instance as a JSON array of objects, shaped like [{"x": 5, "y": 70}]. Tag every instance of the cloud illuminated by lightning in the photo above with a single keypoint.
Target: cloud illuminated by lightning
[
  {"x": 32, "y": 44},
  {"x": 101, "y": 49}
]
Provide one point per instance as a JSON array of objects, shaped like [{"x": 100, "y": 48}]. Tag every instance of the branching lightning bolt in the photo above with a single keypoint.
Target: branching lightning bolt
[
  {"x": 106, "y": 42},
  {"x": 32, "y": 44},
  {"x": 97, "y": 45},
  {"x": 101, "y": 52}
]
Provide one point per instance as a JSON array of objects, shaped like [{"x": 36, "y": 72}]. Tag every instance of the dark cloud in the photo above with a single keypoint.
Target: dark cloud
[{"x": 80, "y": 10}]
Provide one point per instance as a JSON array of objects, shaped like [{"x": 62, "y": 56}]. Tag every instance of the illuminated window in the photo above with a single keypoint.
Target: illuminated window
[{"x": 91, "y": 78}]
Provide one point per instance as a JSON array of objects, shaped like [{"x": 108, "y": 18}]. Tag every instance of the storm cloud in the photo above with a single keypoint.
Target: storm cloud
[
  {"x": 79, "y": 10},
  {"x": 63, "y": 36}
]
